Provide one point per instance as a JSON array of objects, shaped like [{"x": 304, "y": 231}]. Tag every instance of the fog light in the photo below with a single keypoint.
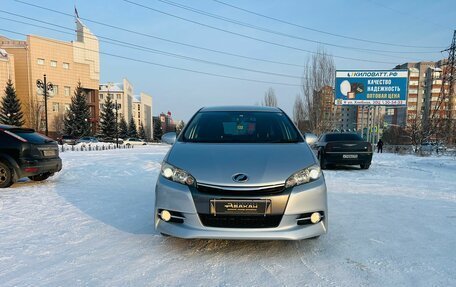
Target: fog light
[
  {"x": 165, "y": 215},
  {"x": 314, "y": 218}
]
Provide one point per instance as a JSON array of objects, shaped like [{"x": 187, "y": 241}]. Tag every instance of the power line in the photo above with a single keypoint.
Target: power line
[
  {"x": 163, "y": 39},
  {"x": 275, "y": 32},
  {"x": 142, "y": 48},
  {"x": 324, "y": 32},
  {"x": 247, "y": 36},
  {"x": 166, "y": 66}
]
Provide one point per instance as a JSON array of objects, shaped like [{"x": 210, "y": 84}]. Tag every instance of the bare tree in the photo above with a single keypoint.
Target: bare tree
[
  {"x": 319, "y": 72},
  {"x": 270, "y": 99},
  {"x": 36, "y": 113},
  {"x": 59, "y": 123},
  {"x": 299, "y": 116}
]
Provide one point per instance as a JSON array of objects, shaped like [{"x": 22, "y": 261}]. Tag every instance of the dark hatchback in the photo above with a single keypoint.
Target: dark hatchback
[
  {"x": 343, "y": 149},
  {"x": 26, "y": 153}
]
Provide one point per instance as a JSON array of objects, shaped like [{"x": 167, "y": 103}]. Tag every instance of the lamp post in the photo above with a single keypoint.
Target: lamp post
[
  {"x": 117, "y": 124},
  {"x": 45, "y": 87}
]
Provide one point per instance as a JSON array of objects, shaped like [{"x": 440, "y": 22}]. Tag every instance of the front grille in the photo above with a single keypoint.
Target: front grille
[
  {"x": 240, "y": 221},
  {"x": 234, "y": 191}
]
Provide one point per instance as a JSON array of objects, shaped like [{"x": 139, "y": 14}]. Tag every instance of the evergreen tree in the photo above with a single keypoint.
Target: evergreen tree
[
  {"x": 10, "y": 107},
  {"x": 123, "y": 128},
  {"x": 142, "y": 132},
  {"x": 158, "y": 131},
  {"x": 77, "y": 119},
  {"x": 132, "y": 131},
  {"x": 108, "y": 119}
]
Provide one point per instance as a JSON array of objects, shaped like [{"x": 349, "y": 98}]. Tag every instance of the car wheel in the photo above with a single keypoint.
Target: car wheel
[
  {"x": 40, "y": 177},
  {"x": 6, "y": 175},
  {"x": 323, "y": 164},
  {"x": 315, "y": 237},
  {"x": 365, "y": 165}
]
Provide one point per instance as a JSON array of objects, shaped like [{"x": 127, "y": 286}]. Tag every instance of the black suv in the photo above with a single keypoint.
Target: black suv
[{"x": 25, "y": 153}]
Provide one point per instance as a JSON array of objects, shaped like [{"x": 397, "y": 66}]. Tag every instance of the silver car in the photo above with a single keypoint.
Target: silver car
[{"x": 241, "y": 173}]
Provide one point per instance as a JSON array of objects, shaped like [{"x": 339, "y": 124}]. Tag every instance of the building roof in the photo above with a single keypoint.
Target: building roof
[
  {"x": 113, "y": 87},
  {"x": 136, "y": 98}
]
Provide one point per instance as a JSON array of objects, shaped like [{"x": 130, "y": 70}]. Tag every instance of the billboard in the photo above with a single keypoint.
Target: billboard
[{"x": 371, "y": 87}]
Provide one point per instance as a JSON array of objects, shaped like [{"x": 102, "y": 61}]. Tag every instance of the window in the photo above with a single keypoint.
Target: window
[
  {"x": 119, "y": 96},
  {"x": 66, "y": 65},
  {"x": 119, "y": 106},
  {"x": 101, "y": 106},
  {"x": 40, "y": 61},
  {"x": 139, "y": 114},
  {"x": 101, "y": 96},
  {"x": 67, "y": 91},
  {"x": 55, "y": 90},
  {"x": 55, "y": 107},
  {"x": 53, "y": 63}
]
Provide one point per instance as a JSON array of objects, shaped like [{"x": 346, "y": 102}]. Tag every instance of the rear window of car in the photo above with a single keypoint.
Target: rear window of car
[
  {"x": 241, "y": 127},
  {"x": 31, "y": 136},
  {"x": 342, "y": 137}
]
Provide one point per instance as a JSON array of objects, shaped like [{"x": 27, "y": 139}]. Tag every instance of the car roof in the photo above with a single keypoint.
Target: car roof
[{"x": 240, "y": 109}]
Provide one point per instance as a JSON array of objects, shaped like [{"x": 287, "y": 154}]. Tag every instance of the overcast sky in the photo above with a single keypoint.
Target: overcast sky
[{"x": 407, "y": 23}]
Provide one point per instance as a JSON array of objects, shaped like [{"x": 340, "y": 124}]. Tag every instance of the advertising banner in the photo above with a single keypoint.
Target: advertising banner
[{"x": 371, "y": 87}]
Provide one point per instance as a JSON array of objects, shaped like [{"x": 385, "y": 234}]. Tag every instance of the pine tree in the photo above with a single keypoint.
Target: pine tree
[
  {"x": 132, "y": 131},
  {"x": 108, "y": 119},
  {"x": 158, "y": 131},
  {"x": 142, "y": 132},
  {"x": 123, "y": 128},
  {"x": 10, "y": 107},
  {"x": 77, "y": 119}
]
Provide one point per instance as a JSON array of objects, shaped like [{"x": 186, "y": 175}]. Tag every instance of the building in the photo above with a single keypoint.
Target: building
[
  {"x": 142, "y": 113},
  {"x": 65, "y": 64},
  {"x": 167, "y": 122},
  {"x": 122, "y": 93},
  {"x": 335, "y": 117},
  {"x": 6, "y": 69}
]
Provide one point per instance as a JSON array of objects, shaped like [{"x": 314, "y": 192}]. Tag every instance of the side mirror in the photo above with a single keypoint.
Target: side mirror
[
  {"x": 311, "y": 139},
  {"x": 169, "y": 138}
]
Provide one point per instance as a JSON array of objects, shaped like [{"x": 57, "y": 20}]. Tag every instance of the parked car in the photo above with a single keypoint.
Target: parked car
[
  {"x": 343, "y": 149},
  {"x": 134, "y": 141},
  {"x": 87, "y": 140},
  {"x": 71, "y": 140},
  {"x": 25, "y": 153},
  {"x": 241, "y": 173},
  {"x": 110, "y": 140}
]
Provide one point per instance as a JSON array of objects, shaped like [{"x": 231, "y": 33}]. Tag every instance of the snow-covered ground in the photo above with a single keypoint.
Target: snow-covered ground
[{"x": 92, "y": 225}]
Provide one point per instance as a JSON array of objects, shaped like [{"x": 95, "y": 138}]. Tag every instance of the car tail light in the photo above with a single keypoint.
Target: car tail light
[{"x": 31, "y": 169}]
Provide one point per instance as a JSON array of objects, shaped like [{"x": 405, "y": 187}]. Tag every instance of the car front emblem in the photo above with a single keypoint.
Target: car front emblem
[{"x": 240, "y": 177}]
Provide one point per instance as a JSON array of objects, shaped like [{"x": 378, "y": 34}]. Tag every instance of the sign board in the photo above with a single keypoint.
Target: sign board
[{"x": 371, "y": 87}]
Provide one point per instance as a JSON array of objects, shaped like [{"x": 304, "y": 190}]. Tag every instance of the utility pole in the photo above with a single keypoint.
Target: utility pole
[{"x": 46, "y": 87}]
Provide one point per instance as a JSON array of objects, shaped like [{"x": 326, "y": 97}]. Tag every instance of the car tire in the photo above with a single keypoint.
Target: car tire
[
  {"x": 365, "y": 165},
  {"x": 40, "y": 177},
  {"x": 164, "y": 234},
  {"x": 6, "y": 175},
  {"x": 314, "y": 238}
]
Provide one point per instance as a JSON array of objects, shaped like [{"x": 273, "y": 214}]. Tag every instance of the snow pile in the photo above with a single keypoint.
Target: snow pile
[{"x": 92, "y": 225}]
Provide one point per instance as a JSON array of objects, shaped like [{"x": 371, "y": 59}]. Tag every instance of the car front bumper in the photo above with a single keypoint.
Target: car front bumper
[{"x": 303, "y": 199}]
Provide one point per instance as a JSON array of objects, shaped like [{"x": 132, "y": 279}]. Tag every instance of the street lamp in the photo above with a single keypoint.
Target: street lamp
[
  {"x": 117, "y": 126},
  {"x": 45, "y": 88}
]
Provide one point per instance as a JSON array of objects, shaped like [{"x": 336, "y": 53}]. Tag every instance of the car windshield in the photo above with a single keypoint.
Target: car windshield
[
  {"x": 343, "y": 137},
  {"x": 241, "y": 127}
]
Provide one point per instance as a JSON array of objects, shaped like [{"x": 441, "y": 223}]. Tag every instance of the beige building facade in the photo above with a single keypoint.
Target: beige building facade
[
  {"x": 122, "y": 93},
  {"x": 64, "y": 64},
  {"x": 142, "y": 113},
  {"x": 6, "y": 69}
]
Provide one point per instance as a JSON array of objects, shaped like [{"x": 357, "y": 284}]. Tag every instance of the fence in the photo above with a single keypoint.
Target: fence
[
  {"x": 89, "y": 147},
  {"x": 419, "y": 150}
]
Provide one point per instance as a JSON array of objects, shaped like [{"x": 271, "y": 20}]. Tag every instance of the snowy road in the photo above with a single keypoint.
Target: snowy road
[{"x": 91, "y": 225}]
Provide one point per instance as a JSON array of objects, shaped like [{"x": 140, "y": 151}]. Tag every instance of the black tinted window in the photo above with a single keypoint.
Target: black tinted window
[
  {"x": 31, "y": 136},
  {"x": 342, "y": 137},
  {"x": 241, "y": 127}
]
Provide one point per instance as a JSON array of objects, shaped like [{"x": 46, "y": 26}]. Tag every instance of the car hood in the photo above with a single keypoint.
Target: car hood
[{"x": 264, "y": 164}]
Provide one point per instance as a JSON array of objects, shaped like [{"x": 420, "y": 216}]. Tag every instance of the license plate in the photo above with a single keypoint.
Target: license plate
[
  {"x": 350, "y": 156},
  {"x": 48, "y": 152},
  {"x": 240, "y": 206}
]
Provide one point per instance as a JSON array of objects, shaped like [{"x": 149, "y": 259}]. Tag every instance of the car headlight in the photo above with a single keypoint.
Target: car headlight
[
  {"x": 304, "y": 176},
  {"x": 176, "y": 174}
]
